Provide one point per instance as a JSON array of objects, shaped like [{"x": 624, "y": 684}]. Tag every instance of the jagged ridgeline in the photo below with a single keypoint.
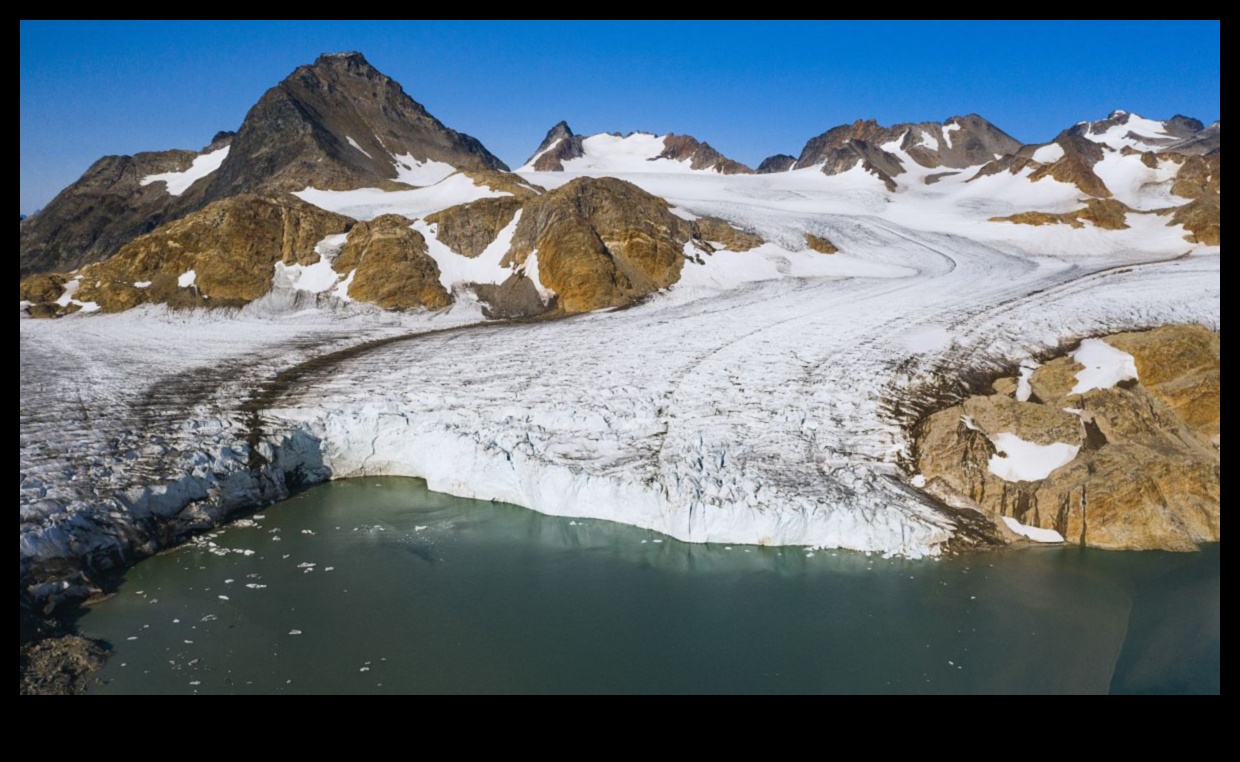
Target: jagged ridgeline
[{"x": 338, "y": 187}]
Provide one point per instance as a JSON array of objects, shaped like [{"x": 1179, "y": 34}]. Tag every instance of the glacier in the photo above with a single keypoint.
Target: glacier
[{"x": 756, "y": 401}]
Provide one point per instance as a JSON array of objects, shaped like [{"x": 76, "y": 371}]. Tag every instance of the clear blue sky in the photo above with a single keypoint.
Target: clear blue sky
[{"x": 750, "y": 89}]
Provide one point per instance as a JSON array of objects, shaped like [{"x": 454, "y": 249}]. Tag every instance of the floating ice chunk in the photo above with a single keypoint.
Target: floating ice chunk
[{"x": 294, "y": 632}]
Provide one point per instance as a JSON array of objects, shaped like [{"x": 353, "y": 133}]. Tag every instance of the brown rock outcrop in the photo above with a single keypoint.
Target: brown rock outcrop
[
  {"x": 469, "y": 228},
  {"x": 1147, "y": 471},
  {"x": 1201, "y": 217},
  {"x": 719, "y": 231},
  {"x": 1104, "y": 213},
  {"x": 232, "y": 247},
  {"x": 601, "y": 242},
  {"x": 820, "y": 244},
  {"x": 391, "y": 266},
  {"x": 700, "y": 155}
]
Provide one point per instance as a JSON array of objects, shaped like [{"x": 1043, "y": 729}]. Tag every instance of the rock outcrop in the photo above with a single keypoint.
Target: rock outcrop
[
  {"x": 722, "y": 233},
  {"x": 820, "y": 244},
  {"x": 780, "y": 162},
  {"x": 105, "y": 209},
  {"x": 601, "y": 242},
  {"x": 1201, "y": 217},
  {"x": 390, "y": 266},
  {"x": 700, "y": 156},
  {"x": 220, "y": 256},
  {"x": 1108, "y": 214},
  {"x": 1145, "y": 473},
  {"x": 469, "y": 228}
]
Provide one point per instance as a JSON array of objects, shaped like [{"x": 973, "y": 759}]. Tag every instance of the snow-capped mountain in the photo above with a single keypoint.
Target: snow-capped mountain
[
  {"x": 959, "y": 142},
  {"x": 1122, "y": 129},
  {"x": 335, "y": 124},
  {"x": 564, "y": 151}
]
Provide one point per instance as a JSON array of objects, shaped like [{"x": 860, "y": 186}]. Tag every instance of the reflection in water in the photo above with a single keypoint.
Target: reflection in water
[{"x": 379, "y": 585}]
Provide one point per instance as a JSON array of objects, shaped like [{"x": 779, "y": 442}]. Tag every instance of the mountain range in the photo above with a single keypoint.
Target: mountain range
[{"x": 339, "y": 187}]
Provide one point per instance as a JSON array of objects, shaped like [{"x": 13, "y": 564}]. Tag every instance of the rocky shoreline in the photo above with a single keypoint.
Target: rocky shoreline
[{"x": 1114, "y": 444}]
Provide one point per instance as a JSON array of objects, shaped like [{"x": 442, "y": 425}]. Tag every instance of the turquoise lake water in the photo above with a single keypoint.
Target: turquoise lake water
[{"x": 379, "y": 585}]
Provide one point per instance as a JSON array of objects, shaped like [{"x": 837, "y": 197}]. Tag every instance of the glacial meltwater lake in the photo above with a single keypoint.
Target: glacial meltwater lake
[{"x": 378, "y": 585}]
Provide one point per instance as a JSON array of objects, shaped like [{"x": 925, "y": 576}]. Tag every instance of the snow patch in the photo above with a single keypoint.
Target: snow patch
[
  {"x": 1105, "y": 366},
  {"x": 420, "y": 173},
  {"x": 142, "y": 284},
  {"x": 1138, "y": 132},
  {"x": 368, "y": 203},
  {"x": 1049, "y": 153},
  {"x": 353, "y": 143},
  {"x": 531, "y": 271},
  {"x": 317, "y": 277},
  {"x": 456, "y": 269},
  {"x": 927, "y": 338},
  {"x": 179, "y": 182},
  {"x": 341, "y": 291},
  {"x": 636, "y": 152},
  {"x": 929, "y": 141},
  {"x": 1037, "y": 534},
  {"x": 187, "y": 279},
  {"x": 1023, "y": 389},
  {"x": 948, "y": 129},
  {"x": 1019, "y": 461}
]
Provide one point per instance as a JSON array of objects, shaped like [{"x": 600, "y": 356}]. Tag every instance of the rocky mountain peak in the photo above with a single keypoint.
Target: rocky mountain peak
[
  {"x": 560, "y": 145},
  {"x": 780, "y": 162},
  {"x": 338, "y": 124},
  {"x": 958, "y": 142}
]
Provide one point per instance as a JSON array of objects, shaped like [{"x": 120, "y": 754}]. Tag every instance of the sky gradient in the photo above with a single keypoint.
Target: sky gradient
[{"x": 750, "y": 89}]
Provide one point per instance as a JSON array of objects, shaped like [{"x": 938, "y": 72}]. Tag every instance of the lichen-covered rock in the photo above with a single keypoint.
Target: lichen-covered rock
[
  {"x": 601, "y": 242},
  {"x": 718, "y": 231},
  {"x": 42, "y": 288},
  {"x": 468, "y": 229},
  {"x": 1201, "y": 217},
  {"x": 516, "y": 297},
  {"x": 1146, "y": 474},
  {"x": 1106, "y": 213},
  {"x": 391, "y": 266},
  {"x": 820, "y": 244},
  {"x": 222, "y": 255},
  {"x": 1197, "y": 176}
]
